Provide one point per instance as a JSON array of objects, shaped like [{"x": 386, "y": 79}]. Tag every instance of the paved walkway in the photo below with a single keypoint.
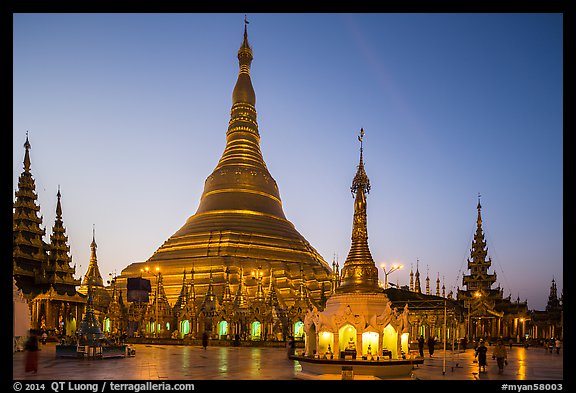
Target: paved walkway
[
  {"x": 523, "y": 364},
  {"x": 177, "y": 362}
]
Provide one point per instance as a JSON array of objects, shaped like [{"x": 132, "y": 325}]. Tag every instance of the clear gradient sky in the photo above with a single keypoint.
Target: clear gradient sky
[{"x": 127, "y": 113}]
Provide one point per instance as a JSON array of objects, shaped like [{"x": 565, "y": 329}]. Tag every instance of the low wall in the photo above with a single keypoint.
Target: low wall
[{"x": 215, "y": 343}]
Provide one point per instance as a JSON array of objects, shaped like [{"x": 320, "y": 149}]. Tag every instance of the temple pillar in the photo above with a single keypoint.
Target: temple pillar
[
  {"x": 336, "y": 345},
  {"x": 48, "y": 313}
]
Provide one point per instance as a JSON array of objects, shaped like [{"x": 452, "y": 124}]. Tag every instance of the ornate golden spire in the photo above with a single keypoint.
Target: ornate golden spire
[
  {"x": 241, "y": 182},
  {"x": 359, "y": 273},
  {"x": 93, "y": 276},
  {"x": 239, "y": 221},
  {"x": 243, "y": 91}
]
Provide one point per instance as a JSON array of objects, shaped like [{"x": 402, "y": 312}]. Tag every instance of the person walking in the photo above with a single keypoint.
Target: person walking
[
  {"x": 557, "y": 344},
  {"x": 205, "y": 339},
  {"x": 481, "y": 351},
  {"x": 421, "y": 345},
  {"x": 31, "y": 358},
  {"x": 499, "y": 353},
  {"x": 431, "y": 345}
]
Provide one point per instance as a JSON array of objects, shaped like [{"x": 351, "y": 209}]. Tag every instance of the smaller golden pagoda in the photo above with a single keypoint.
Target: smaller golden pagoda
[
  {"x": 93, "y": 282},
  {"x": 358, "y": 320}
]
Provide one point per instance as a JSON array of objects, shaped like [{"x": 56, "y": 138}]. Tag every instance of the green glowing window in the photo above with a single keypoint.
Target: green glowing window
[
  {"x": 185, "y": 326},
  {"x": 299, "y": 329},
  {"x": 256, "y": 330},
  {"x": 223, "y": 328}
]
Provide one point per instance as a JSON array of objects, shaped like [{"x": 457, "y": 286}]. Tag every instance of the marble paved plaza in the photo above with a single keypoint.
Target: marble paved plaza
[{"x": 175, "y": 362}]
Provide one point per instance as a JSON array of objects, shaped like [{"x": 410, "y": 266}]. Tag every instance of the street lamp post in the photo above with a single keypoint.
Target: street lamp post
[{"x": 392, "y": 269}]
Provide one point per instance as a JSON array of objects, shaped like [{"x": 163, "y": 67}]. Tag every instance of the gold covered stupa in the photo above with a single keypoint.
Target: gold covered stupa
[
  {"x": 239, "y": 223},
  {"x": 359, "y": 274}
]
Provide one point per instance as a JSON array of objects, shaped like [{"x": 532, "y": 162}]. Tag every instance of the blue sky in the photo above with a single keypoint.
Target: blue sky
[{"x": 128, "y": 114}]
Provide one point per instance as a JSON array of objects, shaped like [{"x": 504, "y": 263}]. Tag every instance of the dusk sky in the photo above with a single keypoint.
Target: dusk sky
[{"x": 128, "y": 114}]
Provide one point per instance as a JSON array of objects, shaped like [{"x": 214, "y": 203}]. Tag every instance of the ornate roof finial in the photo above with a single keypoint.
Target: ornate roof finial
[
  {"x": 58, "y": 204},
  {"x": 27, "y": 154},
  {"x": 245, "y": 52},
  {"x": 479, "y": 207},
  {"x": 361, "y": 180}
]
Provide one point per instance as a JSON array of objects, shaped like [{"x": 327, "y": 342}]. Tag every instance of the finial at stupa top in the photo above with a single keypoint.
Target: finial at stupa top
[
  {"x": 243, "y": 91},
  {"x": 361, "y": 180}
]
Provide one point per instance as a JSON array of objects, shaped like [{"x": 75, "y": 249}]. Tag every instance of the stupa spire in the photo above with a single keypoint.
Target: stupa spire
[
  {"x": 240, "y": 221},
  {"x": 240, "y": 299},
  {"x": 359, "y": 273},
  {"x": 417, "y": 287},
  {"x": 241, "y": 183},
  {"x": 93, "y": 276},
  {"x": 227, "y": 295},
  {"x": 427, "y": 281}
]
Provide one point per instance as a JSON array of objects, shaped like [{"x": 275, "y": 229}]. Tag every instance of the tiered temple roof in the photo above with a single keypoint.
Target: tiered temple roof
[{"x": 39, "y": 267}]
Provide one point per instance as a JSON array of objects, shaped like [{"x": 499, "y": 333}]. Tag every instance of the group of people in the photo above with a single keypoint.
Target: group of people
[
  {"x": 499, "y": 353},
  {"x": 554, "y": 345},
  {"x": 431, "y": 345}
]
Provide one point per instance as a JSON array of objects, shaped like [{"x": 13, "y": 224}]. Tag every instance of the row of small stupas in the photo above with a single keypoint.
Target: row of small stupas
[{"x": 237, "y": 260}]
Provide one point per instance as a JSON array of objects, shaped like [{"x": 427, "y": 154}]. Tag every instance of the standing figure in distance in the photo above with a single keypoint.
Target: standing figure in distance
[
  {"x": 481, "y": 351},
  {"x": 421, "y": 345},
  {"x": 431, "y": 344},
  {"x": 31, "y": 348},
  {"x": 499, "y": 354}
]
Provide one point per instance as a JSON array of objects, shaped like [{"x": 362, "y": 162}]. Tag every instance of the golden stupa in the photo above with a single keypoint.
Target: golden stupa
[{"x": 240, "y": 223}]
